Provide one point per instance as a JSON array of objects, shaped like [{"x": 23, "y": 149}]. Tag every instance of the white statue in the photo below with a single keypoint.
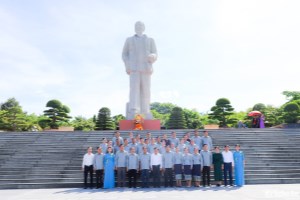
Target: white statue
[{"x": 139, "y": 53}]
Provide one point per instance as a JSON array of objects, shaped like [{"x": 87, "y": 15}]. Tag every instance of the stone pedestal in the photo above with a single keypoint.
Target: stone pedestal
[{"x": 147, "y": 125}]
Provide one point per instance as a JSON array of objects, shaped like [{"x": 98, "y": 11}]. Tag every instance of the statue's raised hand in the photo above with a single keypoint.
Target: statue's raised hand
[{"x": 152, "y": 58}]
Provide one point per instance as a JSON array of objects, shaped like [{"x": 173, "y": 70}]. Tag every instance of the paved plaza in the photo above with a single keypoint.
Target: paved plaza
[{"x": 248, "y": 192}]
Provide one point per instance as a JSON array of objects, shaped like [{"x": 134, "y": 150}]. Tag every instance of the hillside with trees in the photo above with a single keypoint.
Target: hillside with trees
[{"x": 172, "y": 116}]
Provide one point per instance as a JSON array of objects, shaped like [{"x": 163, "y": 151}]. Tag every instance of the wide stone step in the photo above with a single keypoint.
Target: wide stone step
[
  {"x": 80, "y": 184},
  {"x": 41, "y": 185},
  {"x": 248, "y": 176},
  {"x": 54, "y": 159},
  {"x": 271, "y": 167},
  {"x": 273, "y": 181},
  {"x": 40, "y": 180}
]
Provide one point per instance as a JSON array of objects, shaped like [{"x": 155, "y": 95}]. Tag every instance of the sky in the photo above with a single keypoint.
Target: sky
[{"x": 70, "y": 50}]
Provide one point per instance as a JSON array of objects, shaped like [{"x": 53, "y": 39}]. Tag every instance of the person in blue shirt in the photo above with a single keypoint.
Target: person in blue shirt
[
  {"x": 98, "y": 167},
  {"x": 132, "y": 167},
  {"x": 145, "y": 167}
]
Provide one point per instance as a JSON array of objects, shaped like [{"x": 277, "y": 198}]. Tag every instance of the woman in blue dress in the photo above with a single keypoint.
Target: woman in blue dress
[
  {"x": 109, "y": 165},
  {"x": 239, "y": 162}
]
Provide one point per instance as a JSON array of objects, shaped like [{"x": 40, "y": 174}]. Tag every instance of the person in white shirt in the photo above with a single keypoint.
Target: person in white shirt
[
  {"x": 156, "y": 167},
  {"x": 87, "y": 166},
  {"x": 228, "y": 164}
]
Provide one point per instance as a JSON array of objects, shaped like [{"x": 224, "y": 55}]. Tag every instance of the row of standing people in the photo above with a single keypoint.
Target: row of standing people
[
  {"x": 150, "y": 142},
  {"x": 190, "y": 165}
]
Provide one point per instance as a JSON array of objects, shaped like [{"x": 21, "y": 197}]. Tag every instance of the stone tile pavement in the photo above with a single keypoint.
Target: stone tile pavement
[{"x": 248, "y": 192}]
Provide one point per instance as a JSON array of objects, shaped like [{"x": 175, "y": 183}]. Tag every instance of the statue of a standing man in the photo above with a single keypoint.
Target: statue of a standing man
[{"x": 139, "y": 53}]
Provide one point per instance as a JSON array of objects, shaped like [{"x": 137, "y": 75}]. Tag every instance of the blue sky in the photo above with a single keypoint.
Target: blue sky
[{"x": 70, "y": 50}]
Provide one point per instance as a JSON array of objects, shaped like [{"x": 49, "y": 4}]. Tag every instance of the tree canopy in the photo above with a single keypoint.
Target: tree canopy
[
  {"x": 221, "y": 111},
  {"x": 82, "y": 124},
  {"x": 117, "y": 119},
  {"x": 291, "y": 113},
  {"x": 162, "y": 108},
  {"x": 12, "y": 117},
  {"x": 259, "y": 107},
  {"x": 56, "y": 113},
  {"x": 177, "y": 119},
  {"x": 292, "y": 95},
  {"x": 104, "y": 120}
]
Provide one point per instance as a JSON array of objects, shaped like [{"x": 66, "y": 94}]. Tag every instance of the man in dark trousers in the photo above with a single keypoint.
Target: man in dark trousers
[
  {"x": 228, "y": 165},
  {"x": 87, "y": 166},
  {"x": 145, "y": 167},
  {"x": 168, "y": 163},
  {"x": 156, "y": 166},
  {"x": 98, "y": 167},
  {"x": 120, "y": 162},
  {"x": 132, "y": 167},
  {"x": 207, "y": 163}
]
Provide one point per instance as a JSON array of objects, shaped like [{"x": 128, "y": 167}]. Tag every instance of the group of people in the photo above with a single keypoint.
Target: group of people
[
  {"x": 189, "y": 158},
  {"x": 258, "y": 121}
]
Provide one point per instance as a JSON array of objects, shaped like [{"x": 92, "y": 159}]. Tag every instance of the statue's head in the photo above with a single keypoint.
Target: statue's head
[{"x": 139, "y": 28}]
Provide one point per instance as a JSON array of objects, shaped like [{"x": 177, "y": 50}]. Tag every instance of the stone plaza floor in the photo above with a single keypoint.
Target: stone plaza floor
[{"x": 248, "y": 192}]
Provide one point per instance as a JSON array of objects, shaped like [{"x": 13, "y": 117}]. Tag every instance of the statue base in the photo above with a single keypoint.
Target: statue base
[{"x": 147, "y": 125}]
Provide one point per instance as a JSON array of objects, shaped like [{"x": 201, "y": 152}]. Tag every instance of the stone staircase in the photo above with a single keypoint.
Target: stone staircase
[{"x": 53, "y": 159}]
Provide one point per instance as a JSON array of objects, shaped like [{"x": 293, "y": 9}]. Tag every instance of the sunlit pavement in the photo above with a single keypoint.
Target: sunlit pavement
[{"x": 251, "y": 192}]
